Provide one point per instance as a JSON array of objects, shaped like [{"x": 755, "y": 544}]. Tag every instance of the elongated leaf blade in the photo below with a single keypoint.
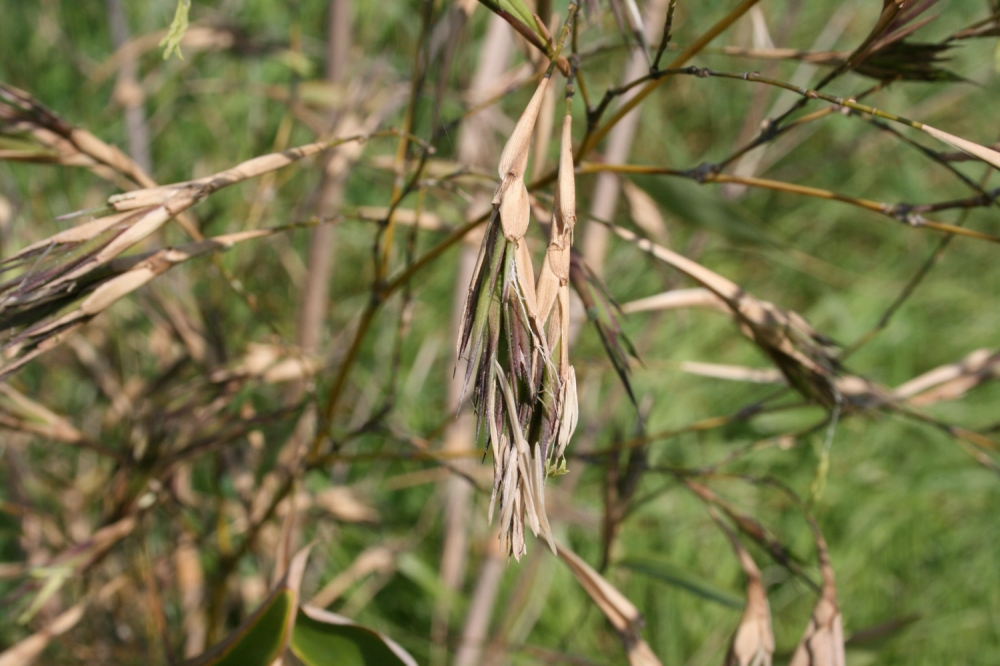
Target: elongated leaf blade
[
  {"x": 264, "y": 635},
  {"x": 685, "y": 580},
  {"x": 321, "y": 638}
]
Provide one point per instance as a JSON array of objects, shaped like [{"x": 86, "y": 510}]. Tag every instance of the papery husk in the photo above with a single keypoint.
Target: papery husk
[
  {"x": 508, "y": 354},
  {"x": 823, "y": 642},
  {"x": 514, "y": 159},
  {"x": 753, "y": 642},
  {"x": 554, "y": 303},
  {"x": 516, "y": 338},
  {"x": 555, "y": 268}
]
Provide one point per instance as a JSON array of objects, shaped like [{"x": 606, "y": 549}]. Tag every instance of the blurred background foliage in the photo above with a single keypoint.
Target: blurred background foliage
[{"x": 910, "y": 517}]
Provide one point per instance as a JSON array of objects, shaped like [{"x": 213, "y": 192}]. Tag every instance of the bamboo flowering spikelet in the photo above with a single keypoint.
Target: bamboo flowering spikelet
[
  {"x": 553, "y": 301},
  {"x": 823, "y": 642},
  {"x": 753, "y": 643},
  {"x": 524, "y": 399}
]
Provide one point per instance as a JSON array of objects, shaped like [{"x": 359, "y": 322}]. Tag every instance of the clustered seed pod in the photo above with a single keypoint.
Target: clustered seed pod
[{"x": 524, "y": 390}]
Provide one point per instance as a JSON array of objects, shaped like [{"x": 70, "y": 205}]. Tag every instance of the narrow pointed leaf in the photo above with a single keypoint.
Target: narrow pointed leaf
[
  {"x": 264, "y": 635},
  {"x": 322, "y": 638},
  {"x": 685, "y": 580}
]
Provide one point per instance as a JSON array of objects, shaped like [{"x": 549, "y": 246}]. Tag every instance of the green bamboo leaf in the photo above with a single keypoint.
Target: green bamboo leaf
[
  {"x": 516, "y": 10},
  {"x": 678, "y": 577},
  {"x": 264, "y": 635},
  {"x": 172, "y": 42},
  {"x": 877, "y": 635},
  {"x": 321, "y": 638},
  {"x": 54, "y": 578}
]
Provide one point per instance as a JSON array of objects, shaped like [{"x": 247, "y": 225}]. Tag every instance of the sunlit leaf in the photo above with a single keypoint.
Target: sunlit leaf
[{"x": 172, "y": 42}]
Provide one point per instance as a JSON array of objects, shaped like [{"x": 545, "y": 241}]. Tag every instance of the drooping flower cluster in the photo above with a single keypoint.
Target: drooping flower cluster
[{"x": 515, "y": 337}]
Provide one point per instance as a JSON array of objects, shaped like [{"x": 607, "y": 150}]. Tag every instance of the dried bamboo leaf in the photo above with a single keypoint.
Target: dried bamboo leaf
[
  {"x": 697, "y": 297},
  {"x": 377, "y": 559},
  {"x": 799, "y": 351},
  {"x": 736, "y": 373},
  {"x": 619, "y": 611},
  {"x": 987, "y": 155},
  {"x": 73, "y": 146},
  {"x": 645, "y": 213},
  {"x": 28, "y": 650},
  {"x": 116, "y": 279},
  {"x": 146, "y": 211},
  {"x": 56, "y": 426}
]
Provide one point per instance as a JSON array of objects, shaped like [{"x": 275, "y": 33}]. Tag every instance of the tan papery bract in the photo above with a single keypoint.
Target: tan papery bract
[
  {"x": 566, "y": 192},
  {"x": 503, "y": 307},
  {"x": 515, "y": 211},
  {"x": 570, "y": 413},
  {"x": 753, "y": 643},
  {"x": 547, "y": 290},
  {"x": 530, "y": 468},
  {"x": 525, "y": 277},
  {"x": 514, "y": 159},
  {"x": 823, "y": 642},
  {"x": 988, "y": 155},
  {"x": 555, "y": 267}
]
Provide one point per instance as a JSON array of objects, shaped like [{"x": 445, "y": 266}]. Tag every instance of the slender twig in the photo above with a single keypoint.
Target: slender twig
[
  {"x": 689, "y": 52},
  {"x": 900, "y": 212}
]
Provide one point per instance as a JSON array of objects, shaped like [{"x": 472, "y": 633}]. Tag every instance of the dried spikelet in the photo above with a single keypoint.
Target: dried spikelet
[
  {"x": 48, "y": 275},
  {"x": 52, "y": 139},
  {"x": 823, "y": 642},
  {"x": 514, "y": 159},
  {"x": 507, "y": 351},
  {"x": 554, "y": 275},
  {"x": 515, "y": 335},
  {"x": 117, "y": 278},
  {"x": 753, "y": 643},
  {"x": 560, "y": 420}
]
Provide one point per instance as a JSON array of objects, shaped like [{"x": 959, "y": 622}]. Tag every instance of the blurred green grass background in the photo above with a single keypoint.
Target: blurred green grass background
[{"x": 911, "y": 520}]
